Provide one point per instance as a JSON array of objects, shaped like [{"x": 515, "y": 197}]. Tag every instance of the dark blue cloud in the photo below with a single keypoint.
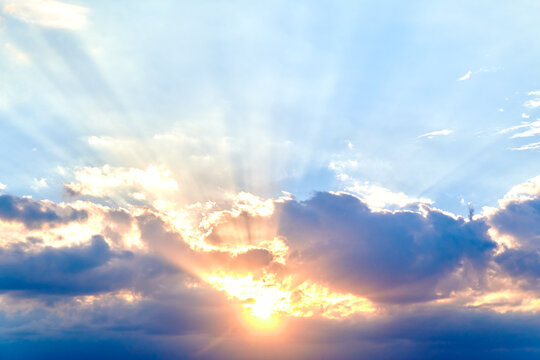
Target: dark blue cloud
[
  {"x": 521, "y": 221},
  {"x": 35, "y": 214},
  {"x": 520, "y": 263},
  {"x": 387, "y": 256},
  {"x": 167, "y": 330},
  {"x": 83, "y": 269}
]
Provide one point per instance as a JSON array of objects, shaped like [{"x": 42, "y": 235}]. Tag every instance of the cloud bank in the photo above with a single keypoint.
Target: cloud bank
[{"x": 329, "y": 267}]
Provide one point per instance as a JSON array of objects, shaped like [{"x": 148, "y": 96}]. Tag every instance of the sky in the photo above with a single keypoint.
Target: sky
[{"x": 272, "y": 179}]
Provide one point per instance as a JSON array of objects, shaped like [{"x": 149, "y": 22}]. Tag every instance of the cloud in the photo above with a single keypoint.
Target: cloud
[
  {"x": 517, "y": 222},
  {"x": 91, "y": 268},
  {"x": 120, "y": 182},
  {"x": 375, "y": 196},
  {"x": 432, "y": 134},
  {"x": 533, "y": 103},
  {"x": 527, "y": 129},
  {"x": 519, "y": 218},
  {"x": 527, "y": 190},
  {"x": 332, "y": 256},
  {"x": 532, "y": 127},
  {"x": 467, "y": 76},
  {"x": 36, "y": 214},
  {"x": 48, "y": 13},
  {"x": 531, "y": 146},
  {"x": 391, "y": 256},
  {"x": 3, "y": 187},
  {"x": 378, "y": 197}
]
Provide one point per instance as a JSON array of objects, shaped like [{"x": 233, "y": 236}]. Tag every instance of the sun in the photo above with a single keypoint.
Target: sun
[
  {"x": 262, "y": 320},
  {"x": 261, "y": 311},
  {"x": 264, "y": 301},
  {"x": 263, "y": 308}
]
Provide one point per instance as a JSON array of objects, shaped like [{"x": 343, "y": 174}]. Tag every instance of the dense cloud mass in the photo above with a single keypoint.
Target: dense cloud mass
[
  {"x": 35, "y": 214},
  {"x": 143, "y": 279},
  {"x": 520, "y": 220},
  {"x": 387, "y": 256},
  {"x": 77, "y": 270}
]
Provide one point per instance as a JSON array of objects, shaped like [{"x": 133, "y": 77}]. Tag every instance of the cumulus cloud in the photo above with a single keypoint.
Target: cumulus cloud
[
  {"x": 48, "y": 13},
  {"x": 390, "y": 256},
  {"x": 527, "y": 190},
  {"x": 535, "y": 102},
  {"x": 84, "y": 269}
]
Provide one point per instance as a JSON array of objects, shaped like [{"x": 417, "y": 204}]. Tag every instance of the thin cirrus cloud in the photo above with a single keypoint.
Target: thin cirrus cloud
[
  {"x": 530, "y": 126},
  {"x": 531, "y": 146},
  {"x": 467, "y": 76},
  {"x": 48, "y": 13},
  {"x": 430, "y": 135},
  {"x": 533, "y": 128}
]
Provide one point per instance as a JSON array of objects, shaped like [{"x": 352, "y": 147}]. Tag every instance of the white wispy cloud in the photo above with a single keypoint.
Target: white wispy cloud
[
  {"x": 531, "y": 128},
  {"x": 432, "y": 134},
  {"x": 531, "y": 132},
  {"x": 2, "y": 186},
  {"x": 48, "y": 13},
  {"x": 531, "y": 146},
  {"x": 467, "y": 76}
]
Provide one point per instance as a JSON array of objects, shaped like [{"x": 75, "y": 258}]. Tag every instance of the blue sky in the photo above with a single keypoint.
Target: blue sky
[
  {"x": 199, "y": 142},
  {"x": 290, "y": 85}
]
